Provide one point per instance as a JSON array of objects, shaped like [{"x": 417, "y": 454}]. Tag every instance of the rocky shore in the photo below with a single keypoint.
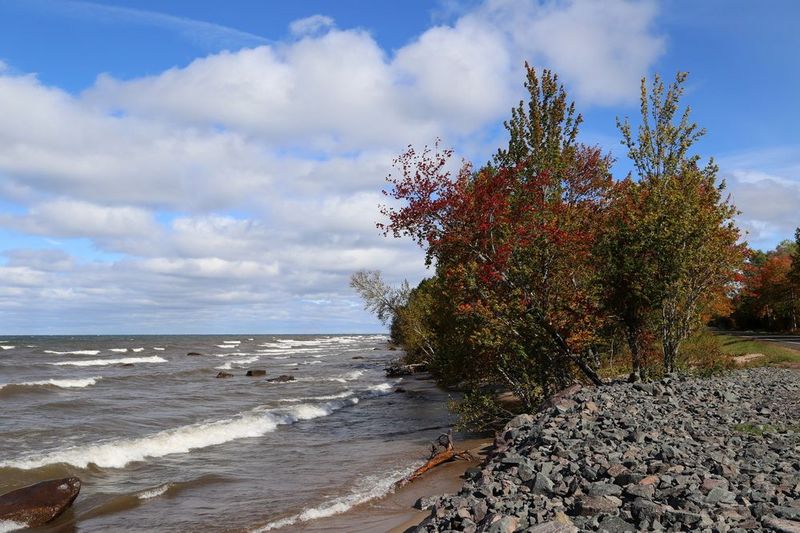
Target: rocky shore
[{"x": 681, "y": 454}]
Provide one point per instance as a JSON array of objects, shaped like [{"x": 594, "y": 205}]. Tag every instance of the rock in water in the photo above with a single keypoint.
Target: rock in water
[
  {"x": 254, "y": 373},
  {"x": 283, "y": 378},
  {"x": 38, "y": 504},
  {"x": 224, "y": 375},
  {"x": 194, "y": 353}
]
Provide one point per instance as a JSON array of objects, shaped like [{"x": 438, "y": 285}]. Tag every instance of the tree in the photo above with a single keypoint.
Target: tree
[
  {"x": 672, "y": 238},
  {"x": 794, "y": 281},
  {"x": 513, "y": 241}
]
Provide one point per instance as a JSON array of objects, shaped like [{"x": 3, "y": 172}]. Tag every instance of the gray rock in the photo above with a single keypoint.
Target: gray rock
[{"x": 615, "y": 524}]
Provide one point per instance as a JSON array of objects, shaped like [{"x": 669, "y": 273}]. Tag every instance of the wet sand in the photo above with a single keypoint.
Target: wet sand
[{"x": 395, "y": 512}]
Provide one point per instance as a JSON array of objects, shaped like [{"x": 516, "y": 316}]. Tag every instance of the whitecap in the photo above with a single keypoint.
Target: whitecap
[
  {"x": 104, "y": 362},
  {"x": 137, "y": 350},
  {"x": 61, "y": 383},
  {"x": 118, "y": 350},
  {"x": 121, "y": 452},
  {"x": 10, "y": 525},
  {"x": 154, "y": 493},
  {"x": 231, "y": 342},
  {"x": 345, "y": 394},
  {"x": 242, "y": 361},
  {"x": 159, "y": 348},
  {"x": 229, "y": 346},
  {"x": 369, "y": 488},
  {"x": 7, "y": 347},
  {"x": 74, "y": 352}
]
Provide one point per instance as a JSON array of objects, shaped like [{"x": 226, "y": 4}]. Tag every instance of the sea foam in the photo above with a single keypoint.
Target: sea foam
[
  {"x": 369, "y": 488},
  {"x": 120, "y": 452},
  {"x": 104, "y": 362},
  {"x": 74, "y": 352},
  {"x": 7, "y": 347},
  {"x": 10, "y": 525},
  {"x": 61, "y": 383}
]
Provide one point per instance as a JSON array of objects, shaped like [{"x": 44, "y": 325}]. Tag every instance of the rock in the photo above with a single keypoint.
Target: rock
[
  {"x": 542, "y": 484},
  {"x": 720, "y": 495},
  {"x": 127, "y": 364},
  {"x": 615, "y": 524},
  {"x": 41, "y": 503},
  {"x": 224, "y": 375},
  {"x": 359, "y": 356},
  {"x": 194, "y": 353},
  {"x": 592, "y": 505},
  {"x": 499, "y": 524},
  {"x": 604, "y": 489},
  {"x": 283, "y": 378},
  {"x": 790, "y": 513},
  {"x": 426, "y": 502},
  {"x": 780, "y": 525},
  {"x": 399, "y": 389},
  {"x": 552, "y": 527},
  {"x": 256, "y": 373},
  {"x": 640, "y": 491}
]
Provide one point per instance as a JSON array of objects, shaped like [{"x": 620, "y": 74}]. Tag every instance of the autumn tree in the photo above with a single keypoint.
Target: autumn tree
[
  {"x": 513, "y": 241},
  {"x": 794, "y": 282},
  {"x": 671, "y": 243}
]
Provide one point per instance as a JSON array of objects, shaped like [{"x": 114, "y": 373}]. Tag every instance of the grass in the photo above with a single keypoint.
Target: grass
[{"x": 773, "y": 353}]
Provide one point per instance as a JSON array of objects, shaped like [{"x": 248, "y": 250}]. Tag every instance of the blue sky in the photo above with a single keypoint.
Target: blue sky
[{"x": 194, "y": 167}]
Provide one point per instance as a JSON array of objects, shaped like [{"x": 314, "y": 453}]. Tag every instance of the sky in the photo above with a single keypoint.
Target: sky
[{"x": 217, "y": 167}]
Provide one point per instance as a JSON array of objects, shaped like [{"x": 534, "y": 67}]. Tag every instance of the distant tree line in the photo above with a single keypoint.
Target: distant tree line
[
  {"x": 769, "y": 294},
  {"x": 545, "y": 267}
]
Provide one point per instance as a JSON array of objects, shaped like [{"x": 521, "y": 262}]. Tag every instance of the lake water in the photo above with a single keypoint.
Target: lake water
[{"x": 161, "y": 444}]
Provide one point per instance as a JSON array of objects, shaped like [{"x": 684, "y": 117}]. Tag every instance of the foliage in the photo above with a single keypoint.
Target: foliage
[
  {"x": 479, "y": 411},
  {"x": 670, "y": 244},
  {"x": 512, "y": 243},
  {"x": 769, "y": 296}
]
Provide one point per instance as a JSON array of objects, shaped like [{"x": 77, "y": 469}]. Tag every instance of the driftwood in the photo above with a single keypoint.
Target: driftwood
[{"x": 442, "y": 451}]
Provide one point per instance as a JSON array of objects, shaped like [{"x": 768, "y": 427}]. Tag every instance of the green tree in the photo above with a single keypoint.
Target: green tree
[
  {"x": 794, "y": 281},
  {"x": 671, "y": 242}
]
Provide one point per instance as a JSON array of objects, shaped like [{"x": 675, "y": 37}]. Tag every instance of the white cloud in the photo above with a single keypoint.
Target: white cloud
[
  {"x": 245, "y": 184},
  {"x": 310, "y": 25}
]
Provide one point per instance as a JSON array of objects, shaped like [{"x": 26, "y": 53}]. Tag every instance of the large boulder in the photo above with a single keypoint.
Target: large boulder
[{"x": 41, "y": 503}]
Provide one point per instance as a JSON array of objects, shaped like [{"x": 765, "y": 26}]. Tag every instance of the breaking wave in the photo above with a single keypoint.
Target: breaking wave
[
  {"x": 104, "y": 362},
  {"x": 74, "y": 352},
  {"x": 120, "y": 452}
]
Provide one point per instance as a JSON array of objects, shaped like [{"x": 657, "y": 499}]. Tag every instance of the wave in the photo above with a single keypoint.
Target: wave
[
  {"x": 7, "y": 347},
  {"x": 137, "y": 350},
  {"x": 10, "y": 525},
  {"x": 231, "y": 342},
  {"x": 60, "y": 383},
  {"x": 118, "y": 350},
  {"x": 350, "y": 376},
  {"x": 345, "y": 394},
  {"x": 369, "y": 488},
  {"x": 229, "y": 346},
  {"x": 154, "y": 493},
  {"x": 74, "y": 352},
  {"x": 119, "y": 453},
  {"x": 159, "y": 348},
  {"x": 243, "y": 361},
  {"x": 104, "y": 362}
]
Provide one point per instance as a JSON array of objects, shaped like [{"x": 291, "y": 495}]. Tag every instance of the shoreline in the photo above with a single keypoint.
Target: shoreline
[{"x": 394, "y": 511}]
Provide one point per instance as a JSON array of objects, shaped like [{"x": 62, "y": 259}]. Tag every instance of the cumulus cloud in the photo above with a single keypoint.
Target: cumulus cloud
[
  {"x": 310, "y": 25},
  {"x": 242, "y": 189}
]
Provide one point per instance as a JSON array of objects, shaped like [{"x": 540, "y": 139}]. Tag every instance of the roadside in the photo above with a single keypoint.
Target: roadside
[{"x": 778, "y": 349}]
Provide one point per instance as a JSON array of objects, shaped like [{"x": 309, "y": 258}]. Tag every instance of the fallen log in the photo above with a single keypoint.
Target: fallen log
[{"x": 438, "y": 456}]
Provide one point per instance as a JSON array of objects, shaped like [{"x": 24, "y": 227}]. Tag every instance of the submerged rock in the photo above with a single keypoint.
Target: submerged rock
[
  {"x": 194, "y": 353},
  {"x": 283, "y": 378},
  {"x": 41, "y": 503},
  {"x": 224, "y": 375},
  {"x": 254, "y": 373}
]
